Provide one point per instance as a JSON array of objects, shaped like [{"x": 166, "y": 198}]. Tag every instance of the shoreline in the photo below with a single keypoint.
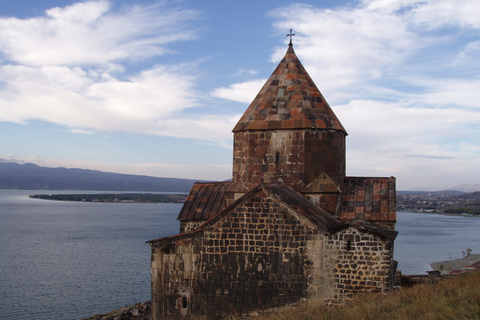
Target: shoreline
[
  {"x": 112, "y": 197},
  {"x": 138, "y": 311},
  {"x": 447, "y": 266},
  {"x": 142, "y": 311},
  {"x": 444, "y": 214}
]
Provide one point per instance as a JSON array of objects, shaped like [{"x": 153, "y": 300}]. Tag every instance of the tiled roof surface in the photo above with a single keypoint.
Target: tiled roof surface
[
  {"x": 370, "y": 199},
  {"x": 289, "y": 100},
  {"x": 204, "y": 201}
]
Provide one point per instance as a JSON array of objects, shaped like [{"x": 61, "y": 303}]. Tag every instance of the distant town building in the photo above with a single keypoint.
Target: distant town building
[{"x": 289, "y": 226}]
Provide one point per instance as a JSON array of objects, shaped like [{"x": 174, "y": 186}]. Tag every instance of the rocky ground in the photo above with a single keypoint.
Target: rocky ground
[{"x": 140, "y": 311}]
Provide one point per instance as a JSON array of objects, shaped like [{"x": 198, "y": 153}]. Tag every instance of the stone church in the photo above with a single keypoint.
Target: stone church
[{"x": 289, "y": 226}]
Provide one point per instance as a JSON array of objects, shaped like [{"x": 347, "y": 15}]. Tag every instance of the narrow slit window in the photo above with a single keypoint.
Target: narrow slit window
[
  {"x": 349, "y": 245},
  {"x": 184, "y": 303}
]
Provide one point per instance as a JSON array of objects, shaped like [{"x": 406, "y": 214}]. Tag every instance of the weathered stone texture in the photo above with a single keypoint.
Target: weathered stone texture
[
  {"x": 290, "y": 225},
  {"x": 360, "y": 262},
  {"x": 260, "y": 255},
  {"x": 297, "y": 157},
  {"x": 187, "y": 226}
]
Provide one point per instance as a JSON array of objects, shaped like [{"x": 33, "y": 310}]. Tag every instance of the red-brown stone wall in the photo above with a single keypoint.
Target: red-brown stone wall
[
  {"x": 297, "y": 157},
  {"x": 324, "y": 153}
]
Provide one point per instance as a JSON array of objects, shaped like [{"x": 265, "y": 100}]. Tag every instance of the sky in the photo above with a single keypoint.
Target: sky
[{"x": 155, "y": 87}]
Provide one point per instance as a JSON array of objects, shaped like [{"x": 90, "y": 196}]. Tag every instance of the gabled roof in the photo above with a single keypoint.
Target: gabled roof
[
  {"x": 370, "y": 199},
  {"x": 288, "y": 197},
  {"x": 289, "y": 100},
  {"x": 365, "y": 226},
  {"x": 204, "y": 201},
  {"x": 323, "y": 184},
  {"x": 299, "y": 204}
]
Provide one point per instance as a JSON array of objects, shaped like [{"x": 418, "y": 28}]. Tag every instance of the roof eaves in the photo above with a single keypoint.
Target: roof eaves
[
  {"x": 298, "y": 203},
  {"x": 229, "y": 208},
  {"x": 175, "y": 236},
  {"x": 365, "y": 226}
]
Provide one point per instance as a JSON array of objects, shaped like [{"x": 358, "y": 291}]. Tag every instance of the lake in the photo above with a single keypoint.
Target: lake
[{"x": 71, "y": 260}]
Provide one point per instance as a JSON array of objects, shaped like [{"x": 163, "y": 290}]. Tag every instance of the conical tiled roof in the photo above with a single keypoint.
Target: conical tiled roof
[{"x": 289, "y": 100}]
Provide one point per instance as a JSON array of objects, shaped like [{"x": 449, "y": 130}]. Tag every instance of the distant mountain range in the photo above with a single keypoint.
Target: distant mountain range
[
  {"x": 437, "y": 193},
  {"x": 467, "y": 187},
  {"x": 32, "y": 177}
]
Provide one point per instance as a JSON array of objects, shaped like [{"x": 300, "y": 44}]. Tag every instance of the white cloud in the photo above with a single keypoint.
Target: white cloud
[
  {"x": 77, "y": 131},
  {"x": 69, "y": 67},
  {"x": 347, "y": 47},
  {"x": 403, "y": 78},
  {"x": 241, "y": 92},
  {"x": 146, "y": 103},
  {"x": 350, "y": 49},
  {"x": 211, "y": 128},
  {"x": 416, "y": 143},
  {"x": 90, "y": 33},
  {"x": 469, "y": 55},
  {"x": 435, "y": 14},
  {"x": 430, "y": 14}
]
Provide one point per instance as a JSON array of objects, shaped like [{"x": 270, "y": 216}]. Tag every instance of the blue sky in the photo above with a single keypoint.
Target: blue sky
[{"x": 155, "y": 87}]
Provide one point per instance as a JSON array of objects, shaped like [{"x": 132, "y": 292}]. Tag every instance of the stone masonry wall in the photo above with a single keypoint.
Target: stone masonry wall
[
  {"x": 186, "y": 226},
  {"x": 176, "y": 267},
  {"x": 297, "y": 157},
  {"x": 263, "y": 248},
  {"x": 360, "y": 263},
  {"x": 258, "y": 256}
]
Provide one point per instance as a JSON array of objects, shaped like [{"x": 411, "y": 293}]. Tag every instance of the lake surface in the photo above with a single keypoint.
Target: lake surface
[
  {"x": 70, "y": 260},
  {"x": 426, "y": 238}
]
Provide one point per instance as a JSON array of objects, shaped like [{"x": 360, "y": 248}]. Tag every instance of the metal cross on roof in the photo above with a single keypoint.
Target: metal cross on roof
[{"x": 291, "y": 35}]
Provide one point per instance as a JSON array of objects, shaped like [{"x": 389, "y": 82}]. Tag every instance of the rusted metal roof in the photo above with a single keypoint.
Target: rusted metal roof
[
  {"x": 370, "y": 199},
  {"x": 204, "y": 201},
  {"x": 289, "y": 100}
]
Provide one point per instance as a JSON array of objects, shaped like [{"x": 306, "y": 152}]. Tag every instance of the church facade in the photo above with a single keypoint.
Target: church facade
[{"x": 289, "y": 226}]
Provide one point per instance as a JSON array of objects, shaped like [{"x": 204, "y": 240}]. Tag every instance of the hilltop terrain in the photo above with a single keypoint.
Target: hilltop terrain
[
  {"x": 449, "y": 201},
  {"x": 32, "y": 177},
  {"x": 457, "y": 298}
]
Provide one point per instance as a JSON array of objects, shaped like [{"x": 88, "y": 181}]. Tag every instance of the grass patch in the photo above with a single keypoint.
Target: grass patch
[{"x": 457, "y": 298}]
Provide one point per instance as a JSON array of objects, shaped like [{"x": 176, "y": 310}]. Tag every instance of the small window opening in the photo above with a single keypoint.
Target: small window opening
[
  {"x": 184, "y": 303},
  {"x": 349, "y": 245},
  {"x": 277, "y": 158}
]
